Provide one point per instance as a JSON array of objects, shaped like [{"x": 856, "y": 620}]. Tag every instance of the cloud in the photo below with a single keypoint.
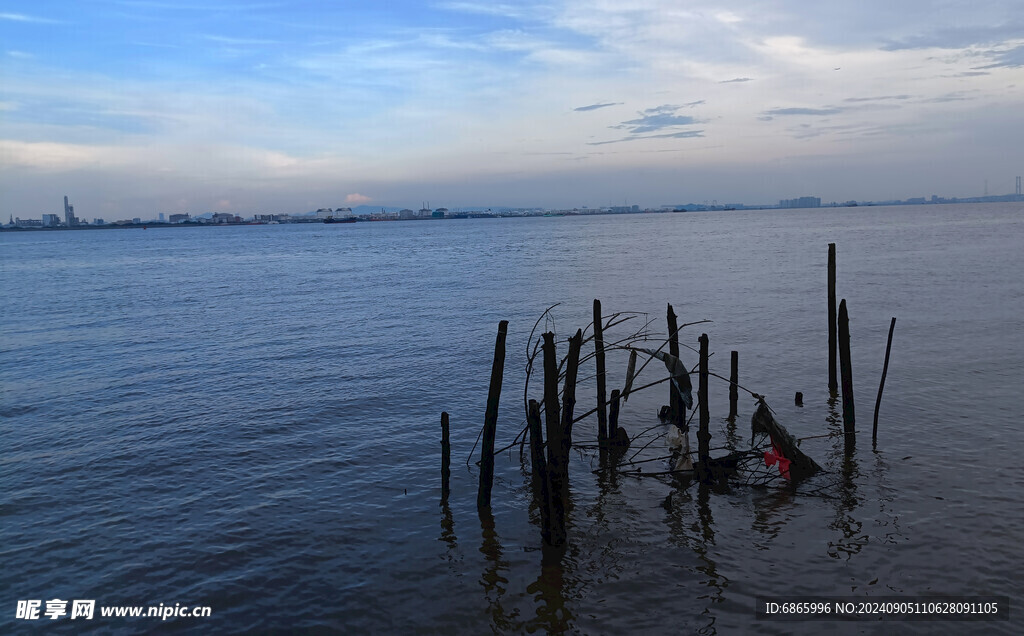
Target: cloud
[
  {"x": 221, "y": 39},
  {"x": 659, "y": 118},
  {"x": 21, "y": 17},
  {"x": 1013, "y": 58},
  {"x": 683, "y": 134},
  {"x": 357, "y": 198},
  {"x": 736, "y": 80},
  {"x": 596, "y": 106},
  {"x": 959, "y": 37},
  {"x": 802, "y": 111},
  {"x": 876, "y": 99}
]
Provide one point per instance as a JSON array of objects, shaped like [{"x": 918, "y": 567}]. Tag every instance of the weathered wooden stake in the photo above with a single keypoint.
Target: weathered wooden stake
[
  {"x": 833, "y": 384},
  {"x": 539, "y": 471},
  {"x": 483, "y": 497},
  {"x": 846, "y": 371},
  {"x": 602, "y": 416},
  {"x": 446, "y": 458},
  {"x": 557, "y": 485},
  {"x": 613, "y": 415},
  {"x": 734, "y": 380},
  {"x": 881, "y": 384},
  {"x": 553, "y": 424},
  {"x": 677, "y": 410},
  {"x": 572, "y": 363},
  {"x": 703, "y": 435}
]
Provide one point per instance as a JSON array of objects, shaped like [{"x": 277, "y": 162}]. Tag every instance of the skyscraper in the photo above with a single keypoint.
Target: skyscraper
[{"x": 69, "y": 214}]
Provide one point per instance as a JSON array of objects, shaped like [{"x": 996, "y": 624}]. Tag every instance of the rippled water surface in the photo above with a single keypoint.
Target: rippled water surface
[{"x": 247, "y": 418}]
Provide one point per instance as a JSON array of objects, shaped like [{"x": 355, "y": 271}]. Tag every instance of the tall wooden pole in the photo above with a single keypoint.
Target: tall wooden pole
[
  {"x": 602, "y": 416},
  {"x": 677, "y": 410},
  {"x": 613, "y": 415},
  {"x": 557, "y": 485},
  {"x": 572, "y": 363},
  {"x": 833, "y": 385},
  {"x": 881, "y": 384},
  {"x": 703, "y": 435},
  {"x": 846, "y": 371},
  {"x": 483, "y": 497},
  {"x": 541, "y": 487},
  {"x": 734, "y": 380},
  {"x": 446, "y": 458}
]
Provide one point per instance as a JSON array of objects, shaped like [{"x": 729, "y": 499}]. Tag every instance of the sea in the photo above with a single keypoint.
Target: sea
[{"x": 248, "y": 419}]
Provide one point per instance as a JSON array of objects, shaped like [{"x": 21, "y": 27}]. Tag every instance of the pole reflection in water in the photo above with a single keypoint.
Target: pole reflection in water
[
  {"x": 553, "y": 617},
  {"x": 493, "y": 578},
  {"x": 847, "y": 503},
  {"x": 698, "y": 535},
  {"x": 448, "y": 533}
]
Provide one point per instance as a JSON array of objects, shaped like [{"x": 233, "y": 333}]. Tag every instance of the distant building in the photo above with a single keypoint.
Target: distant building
[
  {"x": 69, "y": 214},
  {"x": 161, "y": 217},
  {"x": 179, "y": 218},
  {"x": 802, "y": 202},
  {"x": 406, "y": 214},
  {"x": 439, "y": 213},
  {"x": 137, "y": 221},
  {"x": 324, "y": 213},
  {"x": 223, "y": 217},
  {"x": 51, "y": 220},
  {"x": 98, "y": 222},
  {"x": 28, "y": 223}
]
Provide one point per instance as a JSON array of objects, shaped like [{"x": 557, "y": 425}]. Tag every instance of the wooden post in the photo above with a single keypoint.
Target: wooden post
[
  {"x": 846, "y": 371},
  {"x": 613, "y": 415},
  {"x": 557, "y": 486},
  {"x": 551, "y": 410},
  {"x": 677, "y": 410},
  {"x": 602, "y": 416},
  {"x": 483, "y": 497},
  {"x": 539, "y": 471},
  {"x": 881, "y": 384},
  {"x": 703, "y": 435},
  {"x": 446, "y": 458},
  {"x": 572, "y": 363},
  {"x": 833, "y": 385},
  {"x": 734, "y": 380}
]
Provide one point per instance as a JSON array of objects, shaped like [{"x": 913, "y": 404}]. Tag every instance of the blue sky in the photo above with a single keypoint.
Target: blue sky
[{"x": 136, "y": 106}]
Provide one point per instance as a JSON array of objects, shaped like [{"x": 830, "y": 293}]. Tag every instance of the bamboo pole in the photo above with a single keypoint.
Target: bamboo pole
[
  {"x": 446, "y": 458},
  {"x": 703, "y": 435},
  {"x": 833, "y": 385},
  {"x": 602, "y": 416},
  {"x": 734, "y": 380},
  {"x": 881, "y": 384},
  {"x": 846, "y": 371},
  {"x": 483, "y": 497}
]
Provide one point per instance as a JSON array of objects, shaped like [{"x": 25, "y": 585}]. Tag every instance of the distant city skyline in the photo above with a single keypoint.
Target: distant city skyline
[{"x": 240, "y": 105}]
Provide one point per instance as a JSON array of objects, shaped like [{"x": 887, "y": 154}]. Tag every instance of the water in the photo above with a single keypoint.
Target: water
[{"x": 247, "y": 418}]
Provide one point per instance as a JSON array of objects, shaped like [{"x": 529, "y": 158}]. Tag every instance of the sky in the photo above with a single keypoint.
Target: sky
[{"x": 133, "y": 107}]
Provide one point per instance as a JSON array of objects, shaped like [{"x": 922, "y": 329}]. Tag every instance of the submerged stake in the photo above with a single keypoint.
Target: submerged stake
[
  {"x": 483, "y": 497},
  {"x": 881, "y": 384}
]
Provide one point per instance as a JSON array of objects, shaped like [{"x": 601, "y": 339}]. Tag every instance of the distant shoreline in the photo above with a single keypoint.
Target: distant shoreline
[{"x": 548, "y": 214}]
